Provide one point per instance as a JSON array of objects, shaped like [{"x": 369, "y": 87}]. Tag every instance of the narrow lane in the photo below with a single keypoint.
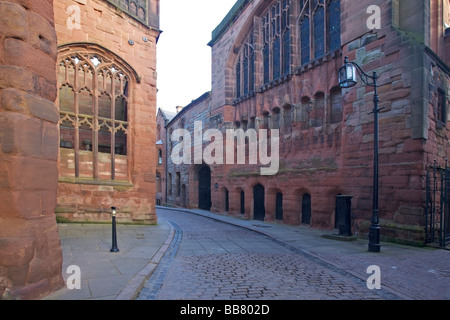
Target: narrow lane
[{"x": 211, "y": 260}]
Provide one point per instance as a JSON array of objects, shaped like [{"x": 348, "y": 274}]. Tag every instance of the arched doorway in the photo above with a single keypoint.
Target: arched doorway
[
  {"x": 279, "y": 207},
  {"x": 204, "y": 188},
  {"x": 258, "y": 202},
  {"x": 242, "y": 202},
  {"x": 306, "y": 209},
  {"x": 227, "y": 200},
  {"x": 183, "y": 195}
]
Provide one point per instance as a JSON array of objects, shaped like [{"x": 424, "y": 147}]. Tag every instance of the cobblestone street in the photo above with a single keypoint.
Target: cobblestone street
[{"x": 210, "y": 260}]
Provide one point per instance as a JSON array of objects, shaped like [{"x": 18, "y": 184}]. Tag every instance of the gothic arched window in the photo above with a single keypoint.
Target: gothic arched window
[
  {"x": 305, "y": 48},
  {"x": 334, "y": 24},
  {"x": 93, "y": 107},
  {"x": 286, "y": 35},
  {"x": 319, "y": 26},
  {"x": 276, "y": 50},
  {"x": 245, "y": 68}
]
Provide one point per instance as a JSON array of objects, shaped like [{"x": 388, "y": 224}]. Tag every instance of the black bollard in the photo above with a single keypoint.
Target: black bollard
[{"x": 114, "y": 233}]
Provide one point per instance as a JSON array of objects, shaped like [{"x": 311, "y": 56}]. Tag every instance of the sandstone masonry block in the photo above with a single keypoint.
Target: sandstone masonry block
[
  {"x": 16, "y": 77},
  {"x": 14, "y": 21},
  {"x": 20, "y": 53}
]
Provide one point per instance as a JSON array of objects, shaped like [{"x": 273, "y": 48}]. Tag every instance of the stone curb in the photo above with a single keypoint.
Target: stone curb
[{"x": 134, "y": 286}]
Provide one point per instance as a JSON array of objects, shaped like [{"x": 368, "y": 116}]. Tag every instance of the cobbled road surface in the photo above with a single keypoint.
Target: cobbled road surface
[{"x": 211, "y": 260}]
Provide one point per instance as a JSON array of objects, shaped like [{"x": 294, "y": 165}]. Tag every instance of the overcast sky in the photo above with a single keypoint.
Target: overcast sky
[{"x": 184, "y": 57}]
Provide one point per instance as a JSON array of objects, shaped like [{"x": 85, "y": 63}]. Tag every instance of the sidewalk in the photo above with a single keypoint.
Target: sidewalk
[
  {"x": 106, "y": 275},
  {"x": 408, "y": 272}
]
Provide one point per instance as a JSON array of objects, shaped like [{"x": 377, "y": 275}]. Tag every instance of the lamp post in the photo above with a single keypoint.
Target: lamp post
[{"x": 347, "y": 79}]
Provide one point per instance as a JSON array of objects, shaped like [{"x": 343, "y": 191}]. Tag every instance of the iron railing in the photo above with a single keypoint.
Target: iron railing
[{"x": 437, "y": 208}]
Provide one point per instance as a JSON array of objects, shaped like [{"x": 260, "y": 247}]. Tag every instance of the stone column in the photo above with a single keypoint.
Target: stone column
[{"x": 30, "y": 247}]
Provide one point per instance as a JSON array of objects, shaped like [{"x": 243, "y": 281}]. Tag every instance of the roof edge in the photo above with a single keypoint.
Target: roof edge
[{"x": 229, "y": 19}]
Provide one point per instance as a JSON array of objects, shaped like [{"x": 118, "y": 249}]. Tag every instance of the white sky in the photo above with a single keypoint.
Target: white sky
[{"x": 184, "y": 57}]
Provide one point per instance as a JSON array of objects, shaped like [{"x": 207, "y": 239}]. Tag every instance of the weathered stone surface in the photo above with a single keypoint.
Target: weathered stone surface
[
  {"x": 14, "y": 22},
  {"x": 16, "y": 77},
  {"x": 30, "y": 250},
  {"x": 13, "y": 100},
  {"x": 22, "y": 54},
  {"x": 19, "y": 135},
  {"x": 42, "y": 34}
]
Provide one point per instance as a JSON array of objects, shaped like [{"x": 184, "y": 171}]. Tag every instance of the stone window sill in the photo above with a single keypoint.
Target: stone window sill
[{"x": 95, "y": 182}]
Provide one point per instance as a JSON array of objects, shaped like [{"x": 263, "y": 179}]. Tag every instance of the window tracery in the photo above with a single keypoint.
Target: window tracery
[
  {"x": 93, "y": 107},
  {"x": 317, "y": 33}
]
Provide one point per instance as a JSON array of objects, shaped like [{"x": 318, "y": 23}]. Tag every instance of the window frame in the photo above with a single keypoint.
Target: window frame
[
  {"x": 309, "y": 10},
  {"x": 101, "y": 63}
]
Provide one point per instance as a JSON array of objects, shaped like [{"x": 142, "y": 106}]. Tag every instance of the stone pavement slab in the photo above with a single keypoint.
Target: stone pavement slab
[{"x": 106, "y": 275}]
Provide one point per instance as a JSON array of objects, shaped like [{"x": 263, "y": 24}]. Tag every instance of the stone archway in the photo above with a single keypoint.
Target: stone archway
[
  {"x": 306, "y": 209},
  {"x": 279, "y": 207},
  {"x": 204, "y": 188},
  {"x": 259, "y": 202}
]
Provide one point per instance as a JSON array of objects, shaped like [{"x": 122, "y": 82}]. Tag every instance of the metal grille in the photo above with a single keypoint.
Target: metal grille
[{"x": 437, "y": 223}]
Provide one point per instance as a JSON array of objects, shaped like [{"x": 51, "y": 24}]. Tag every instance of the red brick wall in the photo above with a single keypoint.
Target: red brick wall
[{"x": 30, "y": 251}]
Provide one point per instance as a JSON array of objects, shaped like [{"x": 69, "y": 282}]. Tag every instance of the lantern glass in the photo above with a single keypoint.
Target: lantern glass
[{"x": 347, "y": 76}]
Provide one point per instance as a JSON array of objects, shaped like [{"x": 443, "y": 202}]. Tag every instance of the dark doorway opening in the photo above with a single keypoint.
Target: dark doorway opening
[
  {"x": 258, "y": 203},
  {"x": 204, "y": 188},
  {"x": 242, "y": 202},
  {"x": 343, "y": 215},
  {"x": 279, "y": 206},
  {"x": 227, "y": 200},
  {"x": 306, "y": 209}
]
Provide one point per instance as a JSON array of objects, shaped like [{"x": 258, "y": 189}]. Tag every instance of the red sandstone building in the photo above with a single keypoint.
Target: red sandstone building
[
  {"x": 275, "y": 66},
  {"x": 107, "y": 104},
  {"x": 77, "y": 114}
]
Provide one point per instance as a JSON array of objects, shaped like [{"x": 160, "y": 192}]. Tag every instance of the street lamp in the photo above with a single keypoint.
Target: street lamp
[{"x": 347, "y": 79}]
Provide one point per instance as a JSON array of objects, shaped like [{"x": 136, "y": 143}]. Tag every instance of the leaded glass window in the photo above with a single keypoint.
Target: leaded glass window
[
  {"x": 334, "y": 24},
  {"x": 93, "y": 107},
  {"x": 286, "y": 34},
  {"x": 238, "y": 78},
  {"x": 305, "y": 48},
  {"x": 276, "y": 41},
  {"x": 245, "y": 68},
  {"x": 319, "y": 29},
  {"x": 319, "y": 26},
  {"x": 266, "y": 47},
  {"x": 136, "y": 8}
]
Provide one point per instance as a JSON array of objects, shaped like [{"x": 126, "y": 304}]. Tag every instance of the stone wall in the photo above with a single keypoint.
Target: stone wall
[
  {"x": 322, "y": 155},
  {"x": 182, "y": 188},
  {"x": 30, "y": 251}
]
